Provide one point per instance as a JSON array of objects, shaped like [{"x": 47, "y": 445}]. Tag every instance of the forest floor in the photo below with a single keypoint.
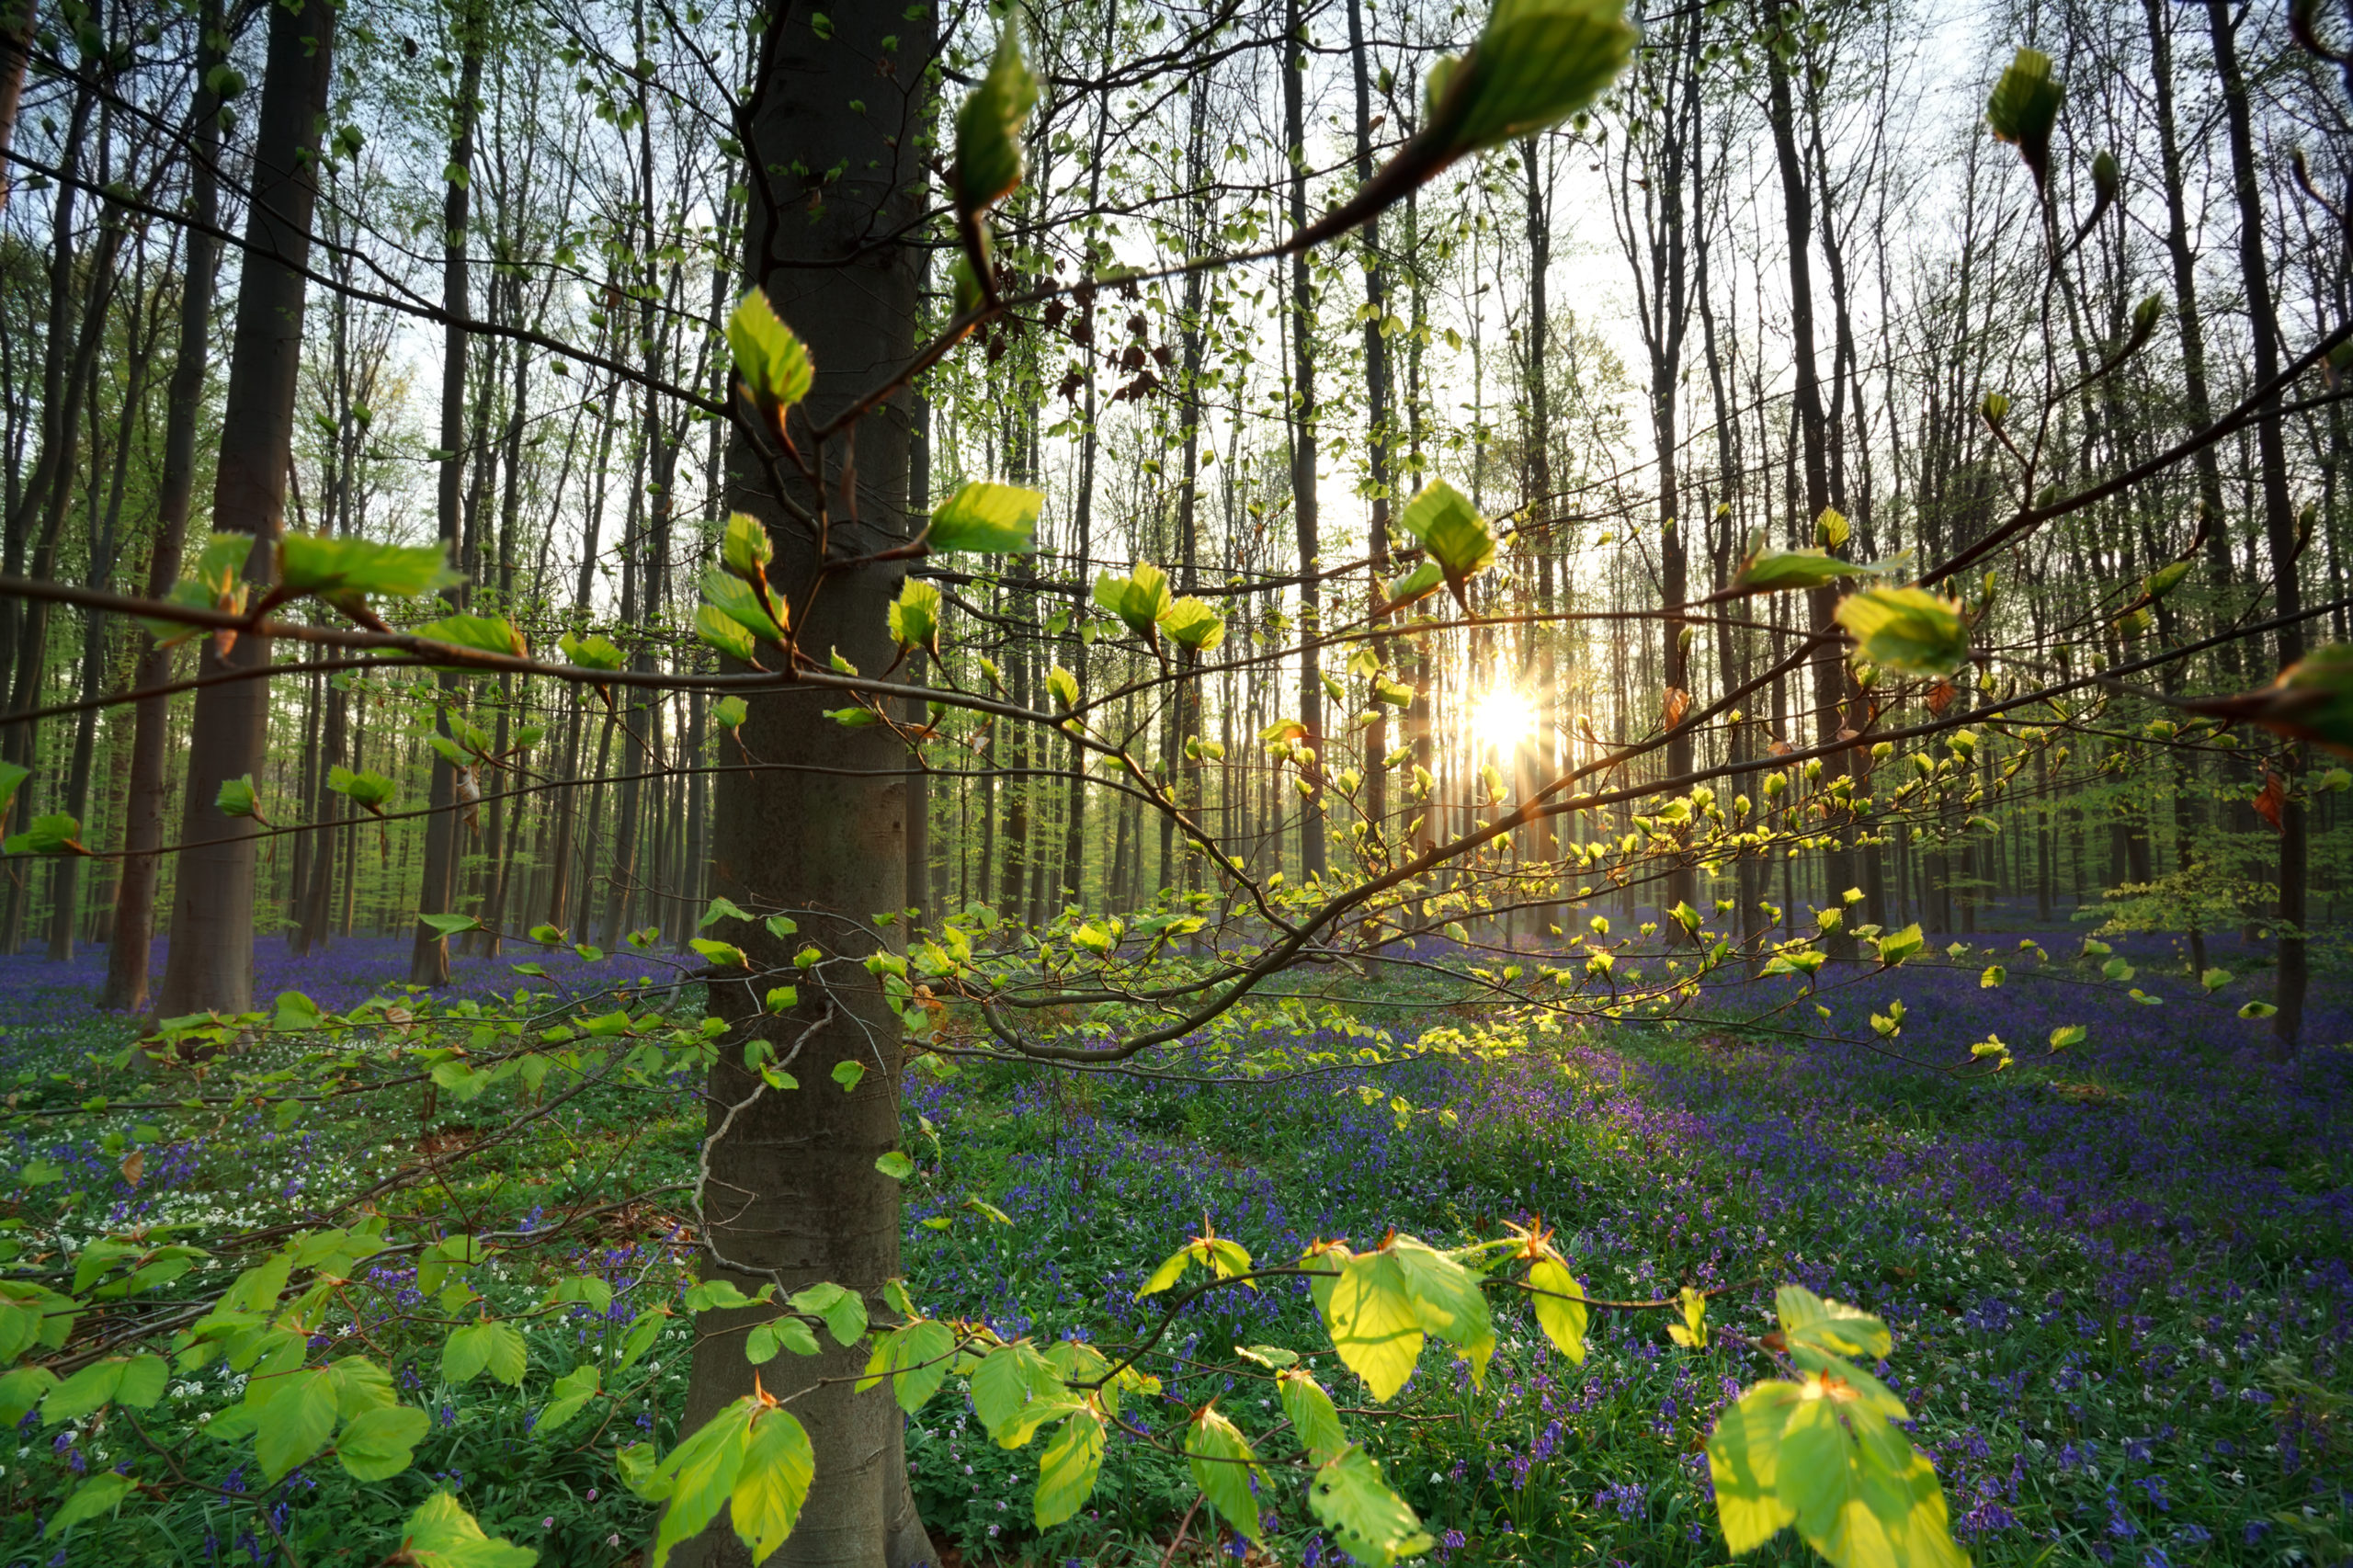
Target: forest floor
[{"x": 2119, "y": 1275}]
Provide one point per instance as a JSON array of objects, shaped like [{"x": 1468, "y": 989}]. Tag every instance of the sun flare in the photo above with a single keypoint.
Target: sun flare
[{"x": 1502, "y": 718}]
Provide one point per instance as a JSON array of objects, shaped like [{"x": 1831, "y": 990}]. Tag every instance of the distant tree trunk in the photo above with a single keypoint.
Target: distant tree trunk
[
  {"x": 2278, "y": 512},
  {"x": 211, "y": 962},
  {"x": 17, "y": 22},
  {"x": 1303, "y": 417},
  {"x": 65, "y": 881},
  {"x": 1376, "y": 419},
  {"x": 429, "y": 954},
  {"x": 794, "y": 1195},
  {"x": 1797, "y": 209}
]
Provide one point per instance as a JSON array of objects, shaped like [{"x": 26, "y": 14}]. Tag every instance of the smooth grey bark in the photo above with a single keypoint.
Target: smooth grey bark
[
  {"x": 211, "y": 959},
  {"x": 793, "y": 1197}
]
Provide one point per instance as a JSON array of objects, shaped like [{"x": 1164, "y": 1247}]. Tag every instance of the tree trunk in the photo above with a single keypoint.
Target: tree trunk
[
  {"x": 16, "y": 19},
  {"x": 1797, "y": 209},
  {"x": 429, "y": 956},
  {"x": 2278, "y": 514},
  {"x": 1302, "y": 451},
  {"x": 212, "y": 961},
  {"x": 793, "y": 1195}
]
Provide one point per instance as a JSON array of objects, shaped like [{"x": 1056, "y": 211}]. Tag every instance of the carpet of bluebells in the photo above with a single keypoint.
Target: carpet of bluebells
[{"x": 2119, "y": 1275}]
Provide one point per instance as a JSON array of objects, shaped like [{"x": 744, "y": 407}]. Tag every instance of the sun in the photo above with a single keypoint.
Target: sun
[{"x": 1502, "y": 718}]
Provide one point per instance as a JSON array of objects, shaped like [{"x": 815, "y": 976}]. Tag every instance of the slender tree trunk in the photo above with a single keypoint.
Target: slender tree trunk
[
  {"x": 210, "y": 963},
  {"x": 1797, "y": 207},
  {"x": 17, "y": 22},
  {"x": 1303, "y": 417},
  {"x": 429, "y": 954},
  {"x": 793, "y": 1196},
  {"x": 2278, "y": 512}
]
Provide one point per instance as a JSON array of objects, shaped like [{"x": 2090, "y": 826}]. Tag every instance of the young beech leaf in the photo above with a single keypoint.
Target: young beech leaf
[
  {"x": 1374, "y": 1525},
  {"x": 1223, "y": 1465},
  {"x": 95, "y": 1497},
  {"x": 780, "y": 1463},
  {"x": 379, "y": 1443},
  {"x": 1015, "y": 1391},
  {"x": 729, "y": 712},
  {"x": 848, "y": 1073},
  {"x": 571, "y": 1391},
  {"x": 842, "y": 1310},
  {"x": 915, "y": 1358},
  {"x": 293, "y": 1419},
  {"x": 592, "y": 653},
  {"x": 986, "y": 519},
  {"x": 773, "y": 362},
  {"x": 717, "y": 631},
  {"x": 734, "y": 598},
  {"x": 1559, "y": 1306},
  {"x": 1534, "y": 63},
  {"x": 1908, "y": 630},
  {"x": 1138, "y": 599},
  {"x": 1766, "y": 572},
  {"x": 11, "y": 777},
  {"x": 482, "y": 633},
  {"x": 370, "y": 791},
  {"x": 55, "y": 834},
  {"x": 746, "y": 549},
  {"x": 2024, "y": 108},
  {"x": 2312, "y": 700},
  {"x": 1810, "y": 1322},
  {"x": 441, "y": 1534},
  {"x": 1692, "y": 1331},
  {"x": 1373, "y": 1322},
  {"x": 309, "y": 564},
  {"x": 1313, "y": 1416},
  {"x": 1068, "y": 1468},
  {"x": 1442, "y": 520},
  {"x": 700, "y": 1472},
  {"x": 237, "y": 799},
  {"x": 1420, "y": 583},
  {"x": 988, "y": 128},
  {"x": 767, "y": 1339},
  {"x": 493, "y": 1346},
  {"x": 1191, "y": 624},
  {"x": 915, "y": 614}
]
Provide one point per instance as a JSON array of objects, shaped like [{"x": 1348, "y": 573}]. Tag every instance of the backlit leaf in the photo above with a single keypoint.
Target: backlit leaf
[
  {"x": 1222, "y": 1464},
  {"x": 1068, "y": 1468},
  {"x": 771, "y": 360},
  {"x": 1374, "y": 1525},
  {"x": 780, "y": 1463},
  {"x": 1908, "y": 630},
  {"x": 986, "y": 519}
]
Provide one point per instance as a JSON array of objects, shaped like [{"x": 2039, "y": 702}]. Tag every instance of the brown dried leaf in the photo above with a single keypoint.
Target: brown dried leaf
[
  {"x": 2272, "y": 801},
  {"x": 1679, "y": 703},
  {"x": 1940, "y": 698}
]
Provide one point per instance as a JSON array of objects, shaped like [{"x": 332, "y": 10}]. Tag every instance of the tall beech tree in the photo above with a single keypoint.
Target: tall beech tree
[{"x": 211, "y": 962}]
